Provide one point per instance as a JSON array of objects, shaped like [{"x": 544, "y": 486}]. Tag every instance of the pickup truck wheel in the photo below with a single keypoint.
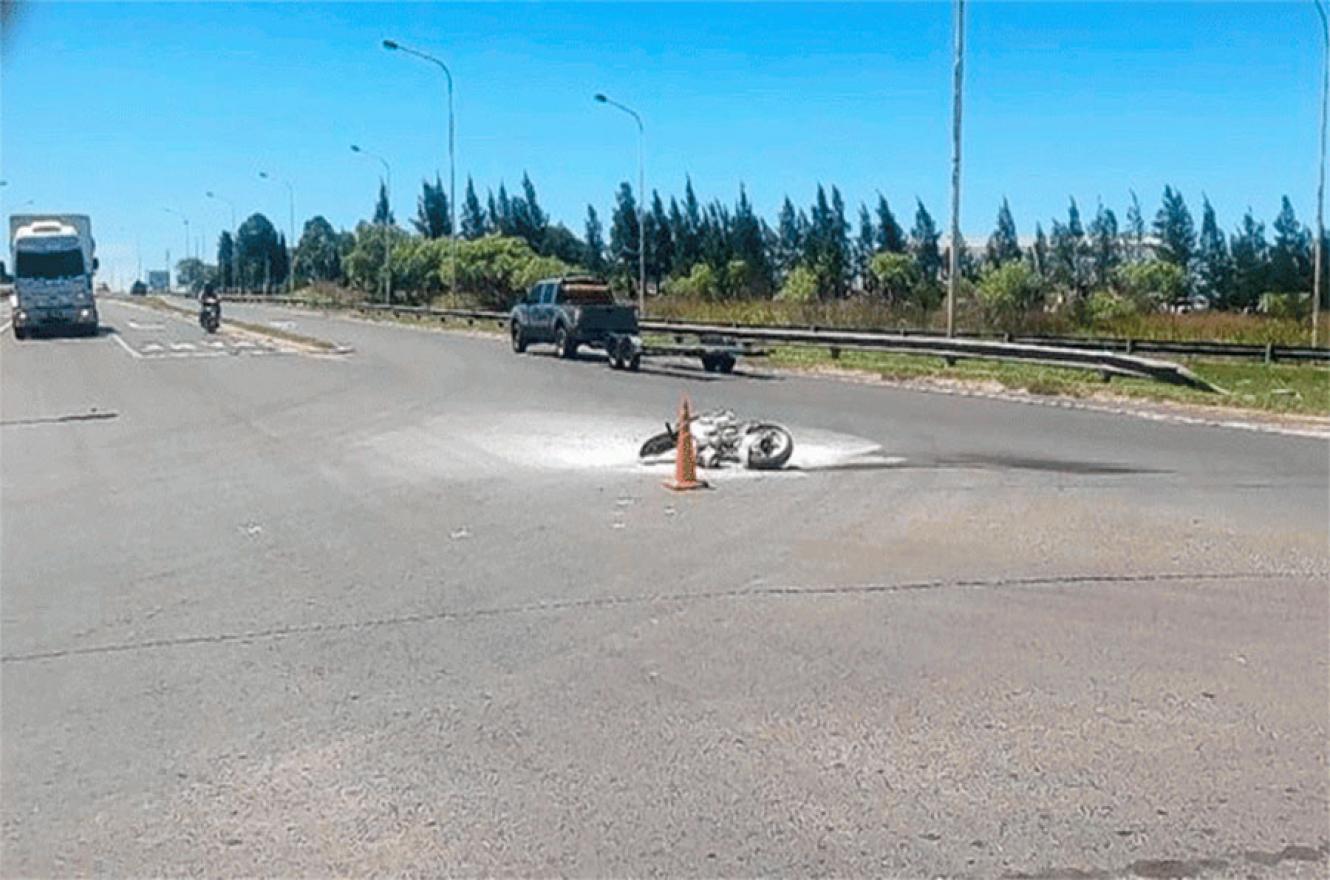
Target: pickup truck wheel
[
  {"x": 563, "y": 346},
  {"x": 519, "y": 338},
  {"x": 725, "y": 363},
  {"x": 20, "y": 332}
]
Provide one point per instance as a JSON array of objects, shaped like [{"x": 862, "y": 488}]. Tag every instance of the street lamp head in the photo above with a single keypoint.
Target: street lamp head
[
  {"x": 355, "y": 149},
  {"x": 210, "y": 194},
  {"x": 263, "y": 174},
  {"x": 389, "y": 44},
  {"x": 601, "y": 98}
]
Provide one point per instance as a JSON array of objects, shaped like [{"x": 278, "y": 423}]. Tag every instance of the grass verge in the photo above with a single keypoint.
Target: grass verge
[{"x": 1273, "y": 388}]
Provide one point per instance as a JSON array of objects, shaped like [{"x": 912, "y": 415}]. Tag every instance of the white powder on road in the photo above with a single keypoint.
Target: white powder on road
[{"x": 465, "y": 446}]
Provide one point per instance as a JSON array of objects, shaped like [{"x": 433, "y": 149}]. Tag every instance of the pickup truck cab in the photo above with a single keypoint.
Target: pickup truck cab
[{"x": 570, "y": 312}]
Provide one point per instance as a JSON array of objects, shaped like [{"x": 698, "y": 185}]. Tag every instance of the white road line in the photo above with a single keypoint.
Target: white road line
[
  {"x": 5, "y": 326},
  {"x": 151, "y": 346},
  {"x": 125, "y": 345},
  {"x": 182, "y": 346}
]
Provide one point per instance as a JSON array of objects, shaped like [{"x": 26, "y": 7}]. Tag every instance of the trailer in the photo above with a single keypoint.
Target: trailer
[{"x": 718, "y": 354}]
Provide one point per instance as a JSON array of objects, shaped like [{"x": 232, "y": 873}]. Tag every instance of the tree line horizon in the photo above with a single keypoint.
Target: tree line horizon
[{"x": 719, "y": 251}]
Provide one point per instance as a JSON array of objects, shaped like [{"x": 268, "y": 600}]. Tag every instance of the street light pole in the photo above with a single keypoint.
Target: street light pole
[
  {"x": 186, "y": 219},
  {"x": 1319, "y": 261},
  {"x": 641, "y": 202},
  {"x": 235, "y": 237},
  {"x": 291, "y": 226},
  {"x": 957, "y": 81},
  {"x": 387, "y": 224},
  {"x": 394, "y": 46}
]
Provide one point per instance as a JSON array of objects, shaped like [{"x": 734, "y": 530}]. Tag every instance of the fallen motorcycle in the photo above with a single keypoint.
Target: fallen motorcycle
[{"x": 720, "y": 437}]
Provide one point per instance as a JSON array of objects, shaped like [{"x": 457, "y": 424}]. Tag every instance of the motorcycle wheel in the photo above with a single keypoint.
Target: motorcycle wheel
[
  {"x": 658, "y": 445},
  {"x": 766, "y": 447}
]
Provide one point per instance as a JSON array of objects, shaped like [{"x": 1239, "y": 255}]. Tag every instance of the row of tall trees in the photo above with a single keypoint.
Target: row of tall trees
[{"x": 722, "y": 250}]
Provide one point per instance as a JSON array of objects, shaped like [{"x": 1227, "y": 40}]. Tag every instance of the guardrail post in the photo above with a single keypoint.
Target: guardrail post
[
  {"x": 1131, "y": 346},
  {"x": 835, "y": 352},
  {"x": 1269, "y": 352}
]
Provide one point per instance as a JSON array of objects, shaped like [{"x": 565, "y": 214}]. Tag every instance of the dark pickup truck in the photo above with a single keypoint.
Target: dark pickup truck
[{"x": 570, "y": 312}]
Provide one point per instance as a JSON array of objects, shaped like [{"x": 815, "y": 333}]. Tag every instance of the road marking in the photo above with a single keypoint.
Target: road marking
[
  {"x": 125, "y": 345},
  {"x": 5, "y": 326},
  {"x": 243, "y": 343},
  {"x": 137, "y": 326},
  {"x": 215, "y": 343},
  {"x": 151, "y": 346},
  {"x": 182, "y": 346}
]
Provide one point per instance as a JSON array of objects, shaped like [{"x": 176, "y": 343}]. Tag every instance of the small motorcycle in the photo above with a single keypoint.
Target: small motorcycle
[
  {"x": 720, "y": 437},
  {"x": 210, "y": 316}
]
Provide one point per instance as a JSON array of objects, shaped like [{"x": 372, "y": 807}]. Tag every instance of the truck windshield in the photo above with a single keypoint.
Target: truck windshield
[{"x": 55, "y": 264}]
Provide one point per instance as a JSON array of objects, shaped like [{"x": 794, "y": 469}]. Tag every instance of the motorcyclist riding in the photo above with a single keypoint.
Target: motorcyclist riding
[{"x": 209, "y": 301}]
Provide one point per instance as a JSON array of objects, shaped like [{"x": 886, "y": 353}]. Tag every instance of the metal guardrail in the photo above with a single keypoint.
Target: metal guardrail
[
  {"x": 1202, "y": 348},
  {"x": 1106, "y": 363},
  {"x": 1268, "y": 353}
]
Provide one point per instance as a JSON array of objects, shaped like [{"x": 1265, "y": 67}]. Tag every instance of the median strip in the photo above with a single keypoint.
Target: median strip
[{"x": 312, "y": 344}]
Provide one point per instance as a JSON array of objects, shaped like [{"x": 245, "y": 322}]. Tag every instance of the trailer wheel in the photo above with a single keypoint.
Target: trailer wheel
[
  {"x": 708, "y": 363},
  {"x": 635, "y": 362},
  {"x": 725, "y": 363}
]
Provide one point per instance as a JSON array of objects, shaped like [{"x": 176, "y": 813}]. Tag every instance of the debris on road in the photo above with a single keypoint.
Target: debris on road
[{"x": 718, "y": 437}]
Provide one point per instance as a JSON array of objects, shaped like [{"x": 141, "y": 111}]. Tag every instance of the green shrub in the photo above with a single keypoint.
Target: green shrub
[
  {"x": 1105, "y": 307},
  {"x": 800, "y": 286},
  {"x": 1006, "y": 293},
  {"x": 1152, "y": 284},
  {"x": 1289, "y": 306}
]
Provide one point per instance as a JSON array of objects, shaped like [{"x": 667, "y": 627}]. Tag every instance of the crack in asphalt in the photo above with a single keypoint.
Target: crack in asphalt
[
  {"x": 1171, "y": 869},
  {"x": 753, "y": 592},
  {"x": 56, "y": 420}
]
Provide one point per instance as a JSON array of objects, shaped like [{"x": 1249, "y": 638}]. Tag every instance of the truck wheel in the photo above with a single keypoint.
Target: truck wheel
[
  {"x": 564, "y": 347},
  {"x": 725, "y": 363},
  {"x": 519, "y": 339},
  {"x": 20, "y": 332},
  {"x": 708, "y": 363}
]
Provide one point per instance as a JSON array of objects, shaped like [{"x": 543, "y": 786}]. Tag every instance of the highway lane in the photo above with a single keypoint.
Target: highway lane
[{"x": 417, "y": 606}]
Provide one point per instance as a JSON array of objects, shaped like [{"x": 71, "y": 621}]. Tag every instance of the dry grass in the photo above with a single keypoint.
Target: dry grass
[{"x": 871, "y": 315}]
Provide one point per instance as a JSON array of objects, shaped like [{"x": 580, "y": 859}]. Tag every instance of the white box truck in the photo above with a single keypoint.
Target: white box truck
[{"x": 53, "y": 256}]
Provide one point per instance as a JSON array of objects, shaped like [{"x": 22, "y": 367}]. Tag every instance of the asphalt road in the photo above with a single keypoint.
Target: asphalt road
[{"x": 417, "y": 609}]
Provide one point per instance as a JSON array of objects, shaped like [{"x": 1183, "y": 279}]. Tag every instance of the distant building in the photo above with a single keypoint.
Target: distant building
[{"x": 159, "y": 280}]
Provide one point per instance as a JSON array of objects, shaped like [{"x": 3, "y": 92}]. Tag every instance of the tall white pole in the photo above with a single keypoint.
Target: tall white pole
[
  {"x": 452, "y": 158},
  {"x": 641, "y": 201},
  {"x": 1319, "y": 261},
  {"x": 958, "y": 79}
]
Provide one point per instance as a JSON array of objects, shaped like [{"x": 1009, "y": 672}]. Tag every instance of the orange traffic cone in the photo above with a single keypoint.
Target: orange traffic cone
[{"x": 685, "y": 455}]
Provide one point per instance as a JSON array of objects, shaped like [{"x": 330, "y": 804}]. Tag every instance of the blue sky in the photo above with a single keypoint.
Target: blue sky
[{"x": 121, "y": 109}]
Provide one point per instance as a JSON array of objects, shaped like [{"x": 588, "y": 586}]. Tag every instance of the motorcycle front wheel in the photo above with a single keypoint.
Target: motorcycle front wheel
[
  {"x": 766, "y": 447},
  {"x": 658, "y": 445}
]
